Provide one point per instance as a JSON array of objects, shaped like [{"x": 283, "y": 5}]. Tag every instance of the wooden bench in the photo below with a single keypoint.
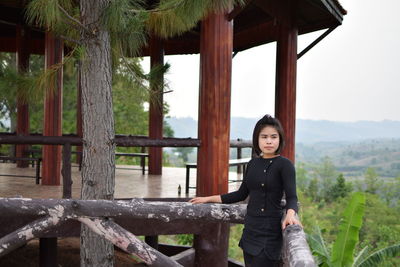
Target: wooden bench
[
  {"x": 232, "y": 163},
  {"x": 37, "y": 160},
  {"x": 142, "y": 156}
]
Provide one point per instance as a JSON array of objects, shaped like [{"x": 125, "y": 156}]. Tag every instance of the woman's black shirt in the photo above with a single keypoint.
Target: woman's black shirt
[{"x": 265, "y": 181}]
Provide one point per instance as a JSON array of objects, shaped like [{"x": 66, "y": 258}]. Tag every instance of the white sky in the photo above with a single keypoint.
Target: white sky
[{"x": 350, "y": 75}]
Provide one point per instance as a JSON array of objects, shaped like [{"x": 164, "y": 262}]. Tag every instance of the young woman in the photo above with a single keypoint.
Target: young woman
[{"x": 268, "y": 176}]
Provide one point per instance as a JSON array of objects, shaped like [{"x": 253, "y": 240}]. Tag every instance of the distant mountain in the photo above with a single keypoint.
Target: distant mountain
[
  {"x": 307, "y": 131},
  {"x": 310, "y": 131}
]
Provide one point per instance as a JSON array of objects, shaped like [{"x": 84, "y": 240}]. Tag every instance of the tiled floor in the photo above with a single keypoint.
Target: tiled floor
[{"x": 129, "y": 183}]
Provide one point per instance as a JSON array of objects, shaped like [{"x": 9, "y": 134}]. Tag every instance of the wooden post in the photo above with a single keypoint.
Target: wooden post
[
  {"x": 286, "y": 67},
  {"x": 52, "y": 113},
  {"x": 66, "y": 171},
  {"x": 216, "y": 45},
  {"x": 48, "y": 252},
  {"x": 156, "y": 106},
  {"x": 239, "y": 156},
  {"x": 152, "y": 241},
  {"x": 22, "y": 39}
]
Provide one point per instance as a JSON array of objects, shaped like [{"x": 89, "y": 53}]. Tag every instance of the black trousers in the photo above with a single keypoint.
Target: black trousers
[{"x": 260, "y": 260}]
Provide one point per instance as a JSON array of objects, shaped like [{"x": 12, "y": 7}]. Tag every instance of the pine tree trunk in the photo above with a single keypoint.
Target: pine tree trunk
[{"x": 98, "y": 168}]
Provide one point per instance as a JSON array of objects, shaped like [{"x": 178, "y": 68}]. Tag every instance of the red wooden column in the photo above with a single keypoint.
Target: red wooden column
[
  {"x": 156, "y": 107},
  {"x": 286, "y": 68},
  {"x": 22, "y": 37},
  {"x": 52, "y": 112},
  {"x": 216, "y": 44}
]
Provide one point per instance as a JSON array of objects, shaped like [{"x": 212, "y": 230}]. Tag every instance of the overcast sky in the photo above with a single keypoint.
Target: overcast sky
[{"x": 352, "y": 74}]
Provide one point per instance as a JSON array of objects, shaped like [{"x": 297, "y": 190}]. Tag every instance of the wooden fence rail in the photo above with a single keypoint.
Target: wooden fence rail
[{"x": 102, "y": 216}]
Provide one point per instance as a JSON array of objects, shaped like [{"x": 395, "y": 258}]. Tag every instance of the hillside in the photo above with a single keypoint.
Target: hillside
[
  {"x": 307, "y": 131},
  {"x": 352, "y": 146}
]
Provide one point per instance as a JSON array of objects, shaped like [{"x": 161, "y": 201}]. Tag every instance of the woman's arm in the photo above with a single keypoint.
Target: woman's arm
[
  {"x": 289, "y": 184},
  {"x": 209, "y": 199},
  {"x": 290, "y": 219}
]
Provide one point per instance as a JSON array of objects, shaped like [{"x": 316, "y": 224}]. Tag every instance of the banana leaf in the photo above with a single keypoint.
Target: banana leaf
[
  {"x": 349, "y": 228},
  {"x": 379, "y": 256}
]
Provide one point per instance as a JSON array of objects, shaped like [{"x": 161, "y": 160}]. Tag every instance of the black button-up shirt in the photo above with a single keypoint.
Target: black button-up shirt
[{"x": 265, "y": 182}]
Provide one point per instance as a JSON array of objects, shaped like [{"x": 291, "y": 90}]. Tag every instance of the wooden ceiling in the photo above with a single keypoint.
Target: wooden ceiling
[{"x": 254, "y": 24}]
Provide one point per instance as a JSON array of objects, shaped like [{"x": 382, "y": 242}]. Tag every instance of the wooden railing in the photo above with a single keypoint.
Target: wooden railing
[{"x": 120, "y": 220}]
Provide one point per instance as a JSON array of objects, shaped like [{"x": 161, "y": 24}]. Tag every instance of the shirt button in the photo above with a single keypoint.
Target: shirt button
[
  {"x": 262, "y": 184},
  {"x": 265, "y": 170},
  {"x": 262, "y": 209},
  {"x": 270, "y": 161}
]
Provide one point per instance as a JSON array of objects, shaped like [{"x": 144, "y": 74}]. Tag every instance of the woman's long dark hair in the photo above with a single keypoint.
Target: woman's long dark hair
[{"x": 267, "y": 120}]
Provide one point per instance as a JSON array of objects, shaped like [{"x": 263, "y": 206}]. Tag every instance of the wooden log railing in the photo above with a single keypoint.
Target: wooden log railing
[
  {"x": 121, "y": 140},
  {"x": 100, "y": 216},
  {"x": 51, "y": 217}
]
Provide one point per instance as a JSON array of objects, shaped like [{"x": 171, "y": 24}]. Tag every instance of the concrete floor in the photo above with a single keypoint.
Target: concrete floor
[{"x": 129, "y": 183}]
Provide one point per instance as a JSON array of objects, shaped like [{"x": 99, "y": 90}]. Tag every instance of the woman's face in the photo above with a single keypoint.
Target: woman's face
[{"x": 268, "y": 141}]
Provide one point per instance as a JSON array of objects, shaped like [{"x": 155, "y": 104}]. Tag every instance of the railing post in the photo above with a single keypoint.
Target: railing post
[
  {"x": 239, "y": 156},
  {"x": 152, "y": 241},
  {"x": 66, "y": 171},
  {"x": 143, "y": 159},
  {"x": 48, "y": 252}
]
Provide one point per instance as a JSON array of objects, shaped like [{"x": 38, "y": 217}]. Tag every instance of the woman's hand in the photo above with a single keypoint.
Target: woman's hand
[
  {"x": 209, "y": 199},
  {"x": 290, "y": 219}
]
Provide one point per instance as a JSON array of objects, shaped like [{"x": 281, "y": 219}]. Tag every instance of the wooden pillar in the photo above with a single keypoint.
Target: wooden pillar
[
  {"x": 156, "y": 106},
  {"x": 22, "y": 38},
  {"x": 52, "y": 112},
  {"x": 216, "y": 44},
  {"x": 286, "y": 68}
]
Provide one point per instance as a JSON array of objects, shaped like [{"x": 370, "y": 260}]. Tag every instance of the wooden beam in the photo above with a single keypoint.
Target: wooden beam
[
  {"x": 52, "y": 113},
  {"x": 260, "y": 34},
  {"x": 272, "y": 7},
  {"x": 286, "y": 69},
  {"x": 156, "y": 117},
  {"x": 237, "y": 10}
]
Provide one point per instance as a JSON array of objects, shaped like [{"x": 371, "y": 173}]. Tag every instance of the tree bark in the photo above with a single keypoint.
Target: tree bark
[{"x": 98, "y": 165}]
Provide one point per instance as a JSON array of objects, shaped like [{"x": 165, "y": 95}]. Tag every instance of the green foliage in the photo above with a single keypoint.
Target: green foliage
[
  {"x": 185, "y": 239},
  {"x": 234, "y": 250},
  {"x": 127, "y": 29},
  {"x": 301, "y": 176},
  {"x": 174, "y": 17},
  {"x": 380, "y": 228},
  {"x": 58, "y": 16},
  {"x": 371, "y": 181},
  {"x": 326, "y": 174},
  {"x": 320, "y": 251},
  {"x": 390, "y": 192},
  {"x": 379, "y": 256},
  {"x": 343, "y": 248},
  {"x": 312, "y": 191},
  {"x": 340, "y": 189}
]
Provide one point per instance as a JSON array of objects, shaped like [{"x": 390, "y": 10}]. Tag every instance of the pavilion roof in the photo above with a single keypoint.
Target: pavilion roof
[{"x": 254, "y": 25}]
